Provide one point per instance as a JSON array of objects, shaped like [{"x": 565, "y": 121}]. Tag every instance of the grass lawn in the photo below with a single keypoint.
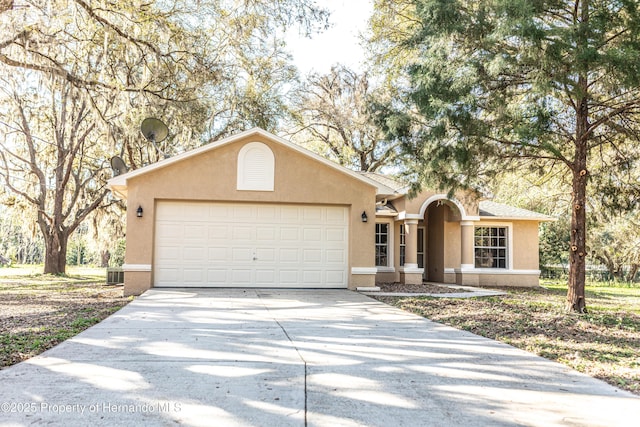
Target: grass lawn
[
  {"x": 605, "y": 343},
  {"x": 38, "y": 311}
]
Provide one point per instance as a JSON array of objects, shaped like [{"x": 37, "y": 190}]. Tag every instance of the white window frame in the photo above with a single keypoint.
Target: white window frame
[
  {"x": 402, "y": 246},
  {"x": 509, "y": 248},
  {"x": 390, "y": 253},
  {"x": 421, "y": 251}
]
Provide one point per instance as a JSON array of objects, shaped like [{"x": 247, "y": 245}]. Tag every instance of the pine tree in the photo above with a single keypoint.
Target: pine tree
[{"x": 521, "y": 83}]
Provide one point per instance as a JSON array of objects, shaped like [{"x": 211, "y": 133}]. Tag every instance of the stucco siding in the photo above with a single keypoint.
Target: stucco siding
[
  {"x": 452, "y": 244},
  {"x": 525, "y": 245},
  {"x": 515, "y": 280},
  {"x": 297, "y": 177},
  {"x": 414, "y": 205},
  {"x": 211, "y": 176}
]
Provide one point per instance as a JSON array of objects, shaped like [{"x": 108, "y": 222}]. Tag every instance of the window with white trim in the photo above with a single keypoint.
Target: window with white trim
[
  {"x": 403, "y": 245},
  {"x": 382, "y": 244},
  {"x": 490, "y": 247}
]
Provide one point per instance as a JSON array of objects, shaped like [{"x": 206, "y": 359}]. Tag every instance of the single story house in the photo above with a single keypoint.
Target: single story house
[{"x": 255, "y": 210}]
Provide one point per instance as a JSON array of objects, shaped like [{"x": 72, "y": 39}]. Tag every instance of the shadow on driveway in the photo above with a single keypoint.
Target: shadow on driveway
[{"x": 270, "y": 357}]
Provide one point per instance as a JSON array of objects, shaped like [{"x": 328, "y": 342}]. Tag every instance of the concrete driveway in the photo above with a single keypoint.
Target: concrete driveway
[{"x": 277, "y": 358}]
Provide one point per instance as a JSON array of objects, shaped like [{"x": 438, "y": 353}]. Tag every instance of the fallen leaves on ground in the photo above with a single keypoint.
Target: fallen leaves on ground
[
  {"x": 422, "y": 288},
  {"x": 35, "y": 315},
  {"x": 604, "y": 344}
]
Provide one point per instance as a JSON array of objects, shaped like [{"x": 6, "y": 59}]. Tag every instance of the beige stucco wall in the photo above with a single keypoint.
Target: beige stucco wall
[
  {"x": 443, "y": 235},
  {"x": 212, "y": 176},
  {"x": 451, "y": 244},
  {"x": 525, "y": 245},
  {"x": 388, "y": 277},
  {"x": 413, "y": 205},
  {"x": 509, "y": 280}
]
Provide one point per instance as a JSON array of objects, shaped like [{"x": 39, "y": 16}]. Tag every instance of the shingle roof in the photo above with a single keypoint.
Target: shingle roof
[
  {"x": 386, "y": 185},
  {"x": 386, "y": 209},
  {"x": 490, "y": 209}
]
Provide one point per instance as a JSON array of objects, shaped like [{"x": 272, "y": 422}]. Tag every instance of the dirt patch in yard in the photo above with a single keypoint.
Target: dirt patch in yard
[
  {"x": 422, "y": 288},
  {"x": 603, "y": 344},
  {"x": 37, "y": 313}
]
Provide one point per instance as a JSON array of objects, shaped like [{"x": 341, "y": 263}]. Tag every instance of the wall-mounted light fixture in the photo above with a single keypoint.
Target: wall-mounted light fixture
[
  {"x": 364, "y": 216},
  {"x": 139, "y": 212}
]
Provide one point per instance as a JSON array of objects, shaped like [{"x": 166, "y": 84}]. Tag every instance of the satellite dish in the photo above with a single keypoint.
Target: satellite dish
[
  {"x": 118, "y": 166},
  {"x": 154, "y": 130}
]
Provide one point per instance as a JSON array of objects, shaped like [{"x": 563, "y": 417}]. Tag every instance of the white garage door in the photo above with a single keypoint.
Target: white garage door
[{"x": 250, "y": 245}]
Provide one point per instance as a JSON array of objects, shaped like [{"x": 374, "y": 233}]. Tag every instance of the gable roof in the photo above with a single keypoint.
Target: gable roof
[
  {"x": 118, "y": 184},
  {"x": 490, "y": 209},
  {"x": 387, "y": 186}
]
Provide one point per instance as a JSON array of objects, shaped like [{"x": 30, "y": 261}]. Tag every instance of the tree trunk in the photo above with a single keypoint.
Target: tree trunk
[
  {"x": 605, "y": 260},
  {"x": 633, "y": 269},
  {"x": 105, "y": 256},
  {"x": 55, "y": 257},
  {"x": 578, "y": 251},
  {"x": 577, "y": 265}
]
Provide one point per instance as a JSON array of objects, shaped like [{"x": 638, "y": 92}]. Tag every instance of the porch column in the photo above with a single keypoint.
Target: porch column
[
  {"x": 411, "y": 243},
  {"x": 466, "y": 245},
  {"x": 466, "y": 275},
  {"x": 410, "y": 273}
]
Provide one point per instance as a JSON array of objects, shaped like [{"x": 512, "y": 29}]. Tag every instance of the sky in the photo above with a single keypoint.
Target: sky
[{"x": 337, "y": 44}]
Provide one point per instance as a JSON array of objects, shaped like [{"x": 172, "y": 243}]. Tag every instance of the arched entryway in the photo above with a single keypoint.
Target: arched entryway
[
  {"x": 440, "y": 236},
  {"x": 433, "y": 240},
  {"x": 441, "y": 239}
]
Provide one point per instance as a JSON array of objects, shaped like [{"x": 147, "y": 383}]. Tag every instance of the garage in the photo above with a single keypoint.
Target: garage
[
  {"x": 215, "y": 244},
  {"x": 249, "y": 210}
]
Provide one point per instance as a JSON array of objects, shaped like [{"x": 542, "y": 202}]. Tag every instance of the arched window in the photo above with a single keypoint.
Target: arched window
[{"x": 255, "y": 167}]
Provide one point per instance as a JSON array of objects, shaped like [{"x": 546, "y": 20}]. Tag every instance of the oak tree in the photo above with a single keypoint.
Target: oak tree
[
  {"x": 337, "y": 113},
  {"x": 78, "y": 77}
]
